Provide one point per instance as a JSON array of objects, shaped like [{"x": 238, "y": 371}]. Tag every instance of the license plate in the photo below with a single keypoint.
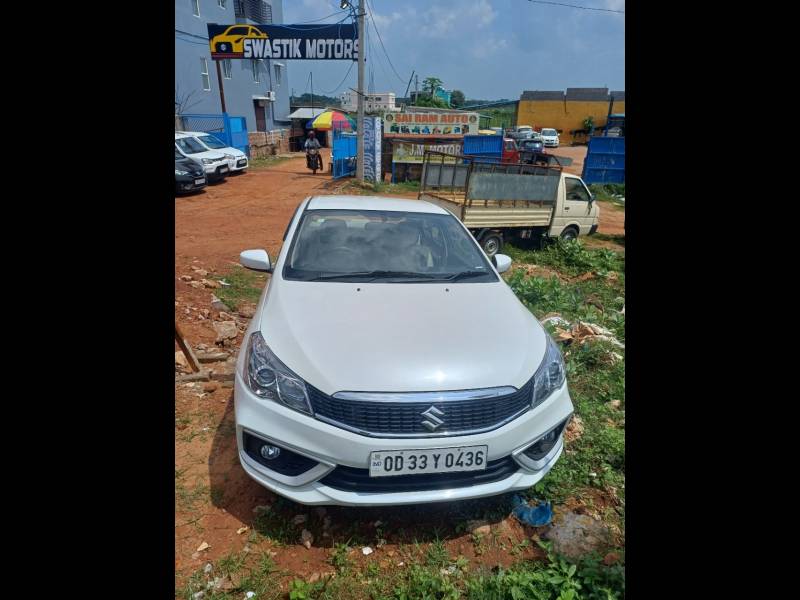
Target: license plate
[
  {"x": 241, "y": 163},
  {"x": 199, "y": 181},
  {"x": 223, "y": 169},
  {"x": 384, "y": 463}
]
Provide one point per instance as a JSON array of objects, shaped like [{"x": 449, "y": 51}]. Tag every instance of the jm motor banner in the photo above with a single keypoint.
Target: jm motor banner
[
  {"x": 312, "y": 42},
  {"x": 413, "y": 152}
]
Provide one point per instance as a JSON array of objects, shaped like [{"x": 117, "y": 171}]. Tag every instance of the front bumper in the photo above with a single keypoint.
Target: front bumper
[
  {"x": 331, "y": 447},
  {"x": 238, "y": 165},
  {"x": 189, "y": 183},
  {"x": 215, "y": 172}
]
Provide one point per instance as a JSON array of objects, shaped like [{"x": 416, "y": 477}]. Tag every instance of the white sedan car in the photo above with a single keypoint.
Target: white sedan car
[
  {"x": 388, "y": 363},
  {"x": 550, "y": 138},
  {"x": 237, "y": 160},
  {"x": 216, "y": 164}
]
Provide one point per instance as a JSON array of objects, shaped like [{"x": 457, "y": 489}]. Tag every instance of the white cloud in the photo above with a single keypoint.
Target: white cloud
[{"x": 488, "y": 47}]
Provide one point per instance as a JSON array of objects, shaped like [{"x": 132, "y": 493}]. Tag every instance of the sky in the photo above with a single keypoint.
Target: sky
[{"x": 489, "y": 49}]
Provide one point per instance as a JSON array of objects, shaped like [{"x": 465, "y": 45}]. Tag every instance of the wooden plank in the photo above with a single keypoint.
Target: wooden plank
[{"x": 186, "y": 349}]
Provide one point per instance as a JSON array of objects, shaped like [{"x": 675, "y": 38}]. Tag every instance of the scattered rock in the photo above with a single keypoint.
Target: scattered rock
[
  {"x": 203, "y": 546},
  {"x": 196, "y": 284},
  {"x": 200, "y": 272},
  {"x": 227, "y": 384},
  {"x": 250, "y": 595},
  {"x": 575, "y": 535},
  {"x": 306, "y": 538},
  {"x": 210, "y": 283},
  {"x": 366, "y": 551},
  {"x": 316, "y": 576},
  {"x": 223, "y": 316},
  {"x": 218, "y": 304},
  {"x": 247, "y": 311},
  {"x": 198, "y": 595},
  {"x": 208, "y": 568},
  {"x": 574, "y": 429},
  {"x": 611, "y": 558},
  {"x": 479, "y": 528},
  {"x": 186, "y": 277},
  {"x": 448, "y": 571},
  {"x": 180, "y": 359},
  {"x": 241, "y": 530},
  {"x": 195, "y": 555},
  {"x": 226, "y": 330},
  {"x": 615, "y": 404},
  {"x": 300, "y": 519},
  {"x": 210, "y": 386}
]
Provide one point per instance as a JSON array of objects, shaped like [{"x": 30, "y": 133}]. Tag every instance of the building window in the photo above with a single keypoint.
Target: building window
[
  {"x": 222, "y": 4},
  {"x": 226, "y": 68},
  {"x": 196, "y": 8},
  {"x": 254, "y": 65},
  {"x": 278, "y": 74},
  {"x": 204, "y": 73}
]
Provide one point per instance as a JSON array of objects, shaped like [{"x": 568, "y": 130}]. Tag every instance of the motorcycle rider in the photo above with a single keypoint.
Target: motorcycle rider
[{"x": 312, "y": 142}]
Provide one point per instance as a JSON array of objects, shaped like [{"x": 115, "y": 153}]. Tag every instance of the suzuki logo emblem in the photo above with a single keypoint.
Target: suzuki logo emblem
[{"x": 432, "y": 420}]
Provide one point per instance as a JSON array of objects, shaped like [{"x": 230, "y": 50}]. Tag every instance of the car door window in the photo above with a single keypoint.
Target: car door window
[{"x": 575, "y": 190}]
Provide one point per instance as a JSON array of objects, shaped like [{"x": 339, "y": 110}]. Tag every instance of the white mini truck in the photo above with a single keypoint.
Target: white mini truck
[
  {"x": 498, "y": 202},
  {"x": 389, "y": 363}
]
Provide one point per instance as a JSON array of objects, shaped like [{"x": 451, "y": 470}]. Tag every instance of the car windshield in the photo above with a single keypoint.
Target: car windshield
[
  {"x": 190, "y": 146},
  {"x": 178, "y": 155},
  {"x": 211, "y": 141},
  {"x": 385, "y": 246},
  {"x": 548, "y": 132}
]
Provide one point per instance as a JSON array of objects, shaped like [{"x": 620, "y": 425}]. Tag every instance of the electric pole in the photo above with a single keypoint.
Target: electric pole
[
  {"x": 360, "y": 120},
  {"x": 416, "y": 89}
]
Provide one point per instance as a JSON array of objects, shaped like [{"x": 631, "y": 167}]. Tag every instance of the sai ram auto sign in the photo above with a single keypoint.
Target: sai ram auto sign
[
  {"x": 432, "y": 123},
  {"x": 312, "y": 42}
]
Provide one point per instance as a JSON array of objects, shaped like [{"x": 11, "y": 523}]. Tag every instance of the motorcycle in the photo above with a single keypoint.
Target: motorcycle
[{"x": 313, "y": 160}]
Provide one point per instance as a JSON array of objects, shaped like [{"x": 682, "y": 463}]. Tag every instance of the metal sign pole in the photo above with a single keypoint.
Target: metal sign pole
[{"x": 221, "y": 88}]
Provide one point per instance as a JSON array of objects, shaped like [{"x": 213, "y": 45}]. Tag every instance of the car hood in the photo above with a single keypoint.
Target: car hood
[
  {"x": 189, "y": 165},
  {"x": 382, "y": 337}
]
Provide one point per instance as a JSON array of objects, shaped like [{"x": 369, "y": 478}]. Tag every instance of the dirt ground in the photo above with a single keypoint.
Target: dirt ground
[{"x": 215, "y": 499}]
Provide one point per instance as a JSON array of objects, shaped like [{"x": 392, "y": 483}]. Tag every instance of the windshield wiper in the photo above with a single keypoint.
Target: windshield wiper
[
  {"x": 380, "y": 274},
  {"x": 465, "y": 275}
]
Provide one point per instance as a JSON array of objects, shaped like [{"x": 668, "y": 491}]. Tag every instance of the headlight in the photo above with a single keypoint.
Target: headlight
[
  {"x": 268, "y": 378},
  {"x": 181, "y": 172},
  {"x": 229, "y": 156},
  {"x": 550, "y": 375},
  {"x": 209, "y": 161}
]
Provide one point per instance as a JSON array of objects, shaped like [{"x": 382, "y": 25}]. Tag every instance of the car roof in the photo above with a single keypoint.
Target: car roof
[
  {"x": 193, "y": 133},
  {"x": 373, "y": 203}
]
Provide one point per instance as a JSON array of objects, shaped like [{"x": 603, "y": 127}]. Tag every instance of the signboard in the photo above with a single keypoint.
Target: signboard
[
  {"x": 309, "y": 42},
  {"x": 411, "y": 152},
  {"x": 372, "y": 148},
  {"x": 432, "y": 123}
]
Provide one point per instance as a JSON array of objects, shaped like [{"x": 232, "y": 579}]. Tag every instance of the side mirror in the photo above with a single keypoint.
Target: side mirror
[
  {"x": 501, "y": 262},
  {"x": 257, "y": 260}
]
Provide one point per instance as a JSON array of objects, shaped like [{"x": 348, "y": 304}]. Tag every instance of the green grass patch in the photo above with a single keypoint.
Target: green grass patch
[
  {"x": 607, "y": 191},
  {"x": 245, "y": 287}
]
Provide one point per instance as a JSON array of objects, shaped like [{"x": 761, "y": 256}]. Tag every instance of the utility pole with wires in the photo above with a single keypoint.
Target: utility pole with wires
[{"x": 360, "y": 119}]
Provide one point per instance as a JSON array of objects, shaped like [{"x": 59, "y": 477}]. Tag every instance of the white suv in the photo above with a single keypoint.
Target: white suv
[
  {"x": 388, "y": 363},
  {"x": 215, "y": 163},
  {"x": 237, "y": 161}
]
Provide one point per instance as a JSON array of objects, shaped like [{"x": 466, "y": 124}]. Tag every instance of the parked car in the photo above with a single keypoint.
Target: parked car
[
  {"x": 368, "y": 376},
  {"x": 531, "y": 145},
  {"x": 550, "y": 138},
  {"x": 189, "y": 175},
  {"x": 238, "y": 160},
  {"x": 215, "y": 163}
]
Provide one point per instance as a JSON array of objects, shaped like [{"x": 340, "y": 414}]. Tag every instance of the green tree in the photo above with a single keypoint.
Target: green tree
[
  {"x": 431, "y": 101},
  {"x": 457, "y": 98},
  {"x": 431, "y": 84}
]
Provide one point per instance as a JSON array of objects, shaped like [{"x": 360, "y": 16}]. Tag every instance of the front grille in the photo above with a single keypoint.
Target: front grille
[
  {"x": 242, "y": 162},
  {"x": 350, "y": 479},
  {"x": 405, "y": 419}
]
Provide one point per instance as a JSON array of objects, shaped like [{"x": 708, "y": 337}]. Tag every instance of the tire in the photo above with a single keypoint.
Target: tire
[
  {"x": 570, "y": 233},
  {"x": 492, "y": 243}
]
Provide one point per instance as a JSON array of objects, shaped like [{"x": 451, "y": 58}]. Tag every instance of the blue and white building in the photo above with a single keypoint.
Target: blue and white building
[{"x": 249, "y": 85}]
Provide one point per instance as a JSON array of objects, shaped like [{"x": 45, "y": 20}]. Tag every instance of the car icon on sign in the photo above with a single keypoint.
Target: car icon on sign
[{"x": 231, "y": 41}]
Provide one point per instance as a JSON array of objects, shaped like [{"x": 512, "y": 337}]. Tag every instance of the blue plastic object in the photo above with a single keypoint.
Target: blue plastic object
[
  {"x": 605, "y": 160},
  {"x": 536, "y": 516}
]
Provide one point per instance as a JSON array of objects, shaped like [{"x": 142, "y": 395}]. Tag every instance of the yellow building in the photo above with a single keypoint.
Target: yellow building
[{"x": 567, "y": 111}]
